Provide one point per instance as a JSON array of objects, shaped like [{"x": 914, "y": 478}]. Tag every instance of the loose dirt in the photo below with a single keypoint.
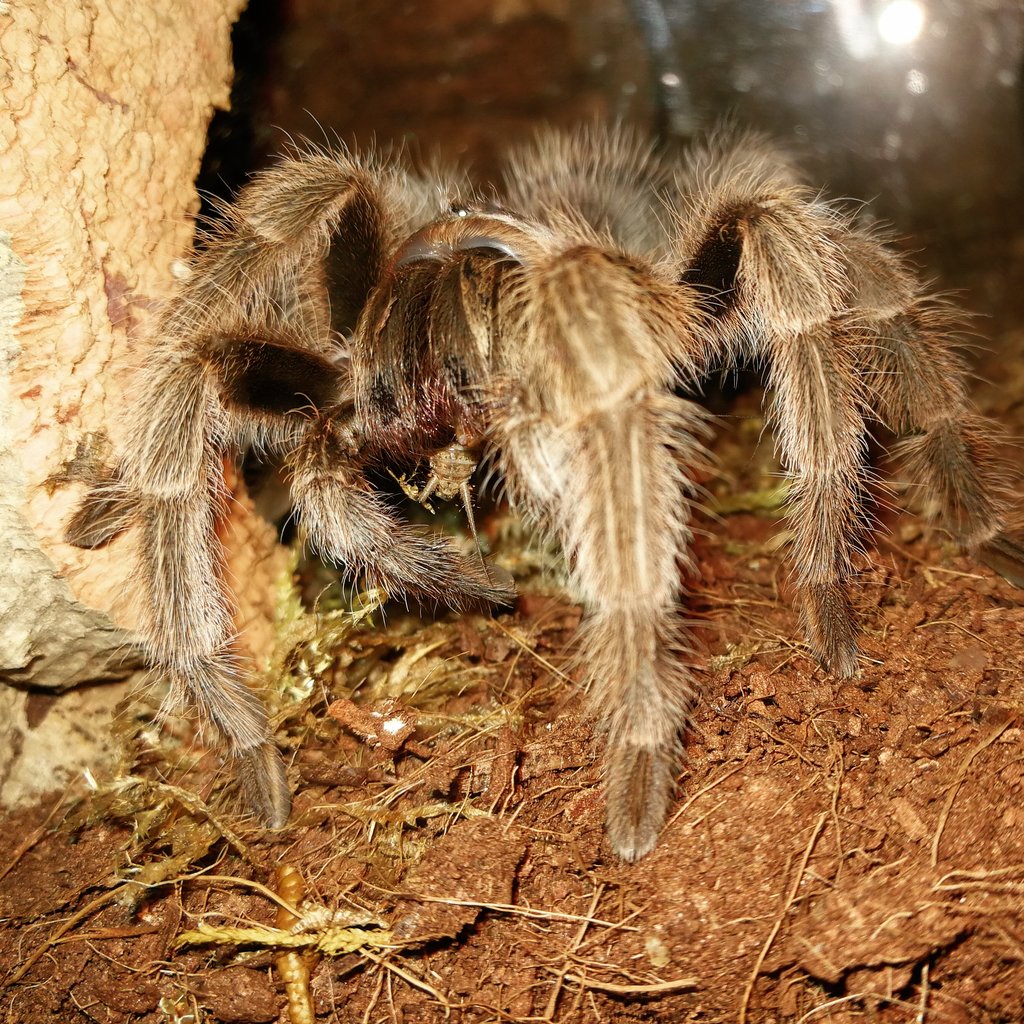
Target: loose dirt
[{"x": 839, "y": 851}]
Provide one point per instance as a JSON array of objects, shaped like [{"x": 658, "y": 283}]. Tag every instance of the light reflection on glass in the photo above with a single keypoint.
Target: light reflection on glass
[
  {"x": 897, "y": 23},
  {"x": 900, "y": 22},
  {"x": 917, "y": 82}
]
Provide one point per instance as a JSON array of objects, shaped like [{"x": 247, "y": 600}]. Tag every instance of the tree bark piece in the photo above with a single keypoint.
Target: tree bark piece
[{"x": 104, "y": 107}]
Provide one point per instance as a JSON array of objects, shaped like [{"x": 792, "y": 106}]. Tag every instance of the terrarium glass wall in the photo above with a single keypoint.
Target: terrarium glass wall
[{"x": 914, "y": 105}]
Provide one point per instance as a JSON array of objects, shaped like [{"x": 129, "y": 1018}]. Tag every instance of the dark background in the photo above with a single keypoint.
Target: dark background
[{"x": 930, "y": 131}]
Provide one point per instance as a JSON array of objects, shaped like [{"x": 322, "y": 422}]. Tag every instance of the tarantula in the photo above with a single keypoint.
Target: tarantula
[{"x": 350, "y": 313}]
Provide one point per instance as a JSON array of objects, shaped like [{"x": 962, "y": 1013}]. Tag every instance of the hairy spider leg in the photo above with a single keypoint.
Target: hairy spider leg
[
  {"x": 762, "y": 251},
  {"x": 597, "y": 448},
  {"x": 249, "y": 356},
  {"x": 917, "y": 382}
]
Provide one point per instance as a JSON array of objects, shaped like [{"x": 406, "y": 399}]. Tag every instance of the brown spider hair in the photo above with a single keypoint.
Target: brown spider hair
[{"x": 349, "y": 313}]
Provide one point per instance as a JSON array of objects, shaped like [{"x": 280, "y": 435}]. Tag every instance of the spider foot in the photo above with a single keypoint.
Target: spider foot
[
  {"x": 496, "y": 586},
  {"x": 640, "y": 788},
  {"x": 1005, "y": 555},
  {"x": 261, "y": 773},
  {"x": 828, "y": 623},
  {"x": 107, "y": 510}
]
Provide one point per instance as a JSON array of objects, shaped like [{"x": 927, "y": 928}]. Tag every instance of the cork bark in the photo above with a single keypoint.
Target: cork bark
[{"x": 104, "y": 107}]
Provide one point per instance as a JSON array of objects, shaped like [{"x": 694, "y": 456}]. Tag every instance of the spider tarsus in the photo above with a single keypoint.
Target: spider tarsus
[
  {"x": 829, "y": 626},
  {"x": 264, "y": 781},
  {"x": 491, "y": 584},
  {"x": 1004, "y": 554},
  {"x": 640, "y": 786},
  {"x": 458, "y": 581},
  {"x": 107, "y": 510}
]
